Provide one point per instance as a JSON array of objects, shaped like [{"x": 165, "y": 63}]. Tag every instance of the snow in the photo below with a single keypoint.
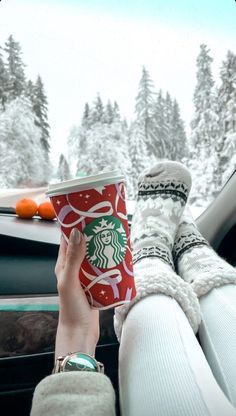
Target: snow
[
  {"x": 104, "y": 141},
  {"x": 22, "y": 159},
  {"x": 9, "y": 197}
]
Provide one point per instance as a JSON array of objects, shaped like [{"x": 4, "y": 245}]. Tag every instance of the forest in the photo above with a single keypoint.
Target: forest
[{"x": 103, "y": 139}]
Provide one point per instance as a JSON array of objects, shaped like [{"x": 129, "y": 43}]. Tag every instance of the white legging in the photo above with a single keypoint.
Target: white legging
[
  {"x": 217, "y": 334},
  {"x": 162, "y": 368}
]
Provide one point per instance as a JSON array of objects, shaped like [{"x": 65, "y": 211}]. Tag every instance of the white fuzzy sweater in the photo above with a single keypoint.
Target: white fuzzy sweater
[{"x": 73, "y": 394}]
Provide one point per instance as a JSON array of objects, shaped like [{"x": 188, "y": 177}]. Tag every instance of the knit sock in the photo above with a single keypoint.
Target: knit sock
[
  {"x": 196, "y": 262},
  {"x": 162, "y": 194}
]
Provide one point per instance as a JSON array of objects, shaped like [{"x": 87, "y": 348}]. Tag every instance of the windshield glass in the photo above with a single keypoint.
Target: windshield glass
[{"x": 87, "y": 87}]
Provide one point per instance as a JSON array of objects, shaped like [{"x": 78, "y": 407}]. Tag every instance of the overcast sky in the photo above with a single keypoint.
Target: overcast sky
[{"x": 81, "y": 48}]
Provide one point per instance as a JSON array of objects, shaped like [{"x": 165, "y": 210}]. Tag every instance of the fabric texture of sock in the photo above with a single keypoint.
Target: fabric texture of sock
[
  {"x": 162, "y": 195},
  {"x": 196, "y": 262},
  {"x": 217, "y": 333},
  {"x": 162, "y": 369}
]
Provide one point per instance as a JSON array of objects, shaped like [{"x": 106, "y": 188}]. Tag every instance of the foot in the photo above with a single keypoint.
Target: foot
[
  {"x": 196, "y": 262},
  {"x": 162, "y": 195}
]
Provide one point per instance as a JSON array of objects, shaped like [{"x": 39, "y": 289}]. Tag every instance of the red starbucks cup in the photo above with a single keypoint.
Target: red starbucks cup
[{"x": 96, "y": 206}]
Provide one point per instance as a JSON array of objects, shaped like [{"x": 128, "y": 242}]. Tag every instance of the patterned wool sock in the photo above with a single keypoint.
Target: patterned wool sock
[
  {"x": 162, "y": 195},
  {"x": 196, "y": 262}
]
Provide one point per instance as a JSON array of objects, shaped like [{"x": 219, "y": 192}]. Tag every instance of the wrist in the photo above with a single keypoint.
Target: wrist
[
  {"x": 77, "y": 361},
  {"x": 73, "y": 340}
]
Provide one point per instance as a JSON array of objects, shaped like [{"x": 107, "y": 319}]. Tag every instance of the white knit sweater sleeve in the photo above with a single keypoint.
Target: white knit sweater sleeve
[{"x": 74, "y": 393}]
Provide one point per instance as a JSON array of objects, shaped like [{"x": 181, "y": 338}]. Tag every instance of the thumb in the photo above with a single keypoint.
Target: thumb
[{"x": 75, "y": 251}]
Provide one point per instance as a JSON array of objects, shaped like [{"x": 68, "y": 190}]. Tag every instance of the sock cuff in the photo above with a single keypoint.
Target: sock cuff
[
  {"x": 176, "y": 189},
  {"x": 153, "y": 252},
  {"x": 184, "y": 242},
  {"x": 153, "y": 281}
]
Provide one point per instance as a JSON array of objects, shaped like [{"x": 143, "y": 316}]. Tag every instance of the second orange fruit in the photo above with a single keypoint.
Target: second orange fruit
[{"x": 46, "y": 211}]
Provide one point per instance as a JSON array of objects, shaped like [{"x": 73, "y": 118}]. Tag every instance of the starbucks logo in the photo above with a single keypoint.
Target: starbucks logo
[{"x": 105, "y": 242}]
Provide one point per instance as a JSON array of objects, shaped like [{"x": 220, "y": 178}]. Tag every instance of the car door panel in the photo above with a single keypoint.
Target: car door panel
[
  {"x": 29, "y": 311},
  {"x": 29, "y": 303}
]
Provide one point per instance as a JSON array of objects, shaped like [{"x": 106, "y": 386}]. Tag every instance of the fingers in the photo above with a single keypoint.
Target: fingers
[
  {"x": 61, "y": 259},
  {"x": 75, "y": 252}
]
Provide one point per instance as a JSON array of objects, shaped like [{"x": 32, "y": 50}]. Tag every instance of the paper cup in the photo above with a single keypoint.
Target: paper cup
[{"x": 96, "y": 206}]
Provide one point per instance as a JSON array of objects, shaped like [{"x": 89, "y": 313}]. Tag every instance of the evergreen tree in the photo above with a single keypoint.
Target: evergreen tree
[
  {"x": 40, "y": 107},
  {"x": 92, "y": 120},
  {"x": 101, "y": 146},
  {"x": 63, "y": 169},
  {"x": 167, "y": 104},
  {"x": 83, "y": 159},
  {"x": 226, "y": 146},
  {"x": 139, "y": 158},
  {"x": 3, "y": 82},
  {"x": 73, "y": 147},
  {"x": 106, "y": 149},
  {"x": 108, "y": 113},
  {"x": 21, "y": 158},
  {"x": 30, "y": 92},
  {"x": 205, "y": 129},
  {"x": 97, "y": 111},
  {"x": 23, "y": 146},
  {"x": 86, "y": 117},
  {"x": 116, "y": 111},
  {"x": 205, "y": 124},
  {"x": 168, "y": 108},
  {"x": 161, "y": 129},
  {"x": 177, "y": 134},
  {"x": 227, "y": 95},
  {"x": 15, "y": 68},
  {"x": 228, "y": 157},
  {"x": 144, "y": 111}
]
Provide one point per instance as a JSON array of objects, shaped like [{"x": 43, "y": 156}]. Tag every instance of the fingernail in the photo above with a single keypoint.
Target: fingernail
[{"x": 75, "y": 236}]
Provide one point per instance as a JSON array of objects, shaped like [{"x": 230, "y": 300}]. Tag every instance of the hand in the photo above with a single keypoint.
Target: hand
[{"x": 78, "y": 324}]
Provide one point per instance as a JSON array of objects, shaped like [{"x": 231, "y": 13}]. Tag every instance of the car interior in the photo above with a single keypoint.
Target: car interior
[{"x": 29, "y": 304}]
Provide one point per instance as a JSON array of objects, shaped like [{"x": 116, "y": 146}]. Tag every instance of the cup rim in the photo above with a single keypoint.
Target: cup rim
[{"x": 86, "y": 182}]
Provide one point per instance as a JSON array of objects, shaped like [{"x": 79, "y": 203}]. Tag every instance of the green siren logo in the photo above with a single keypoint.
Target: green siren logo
[{"x": 106, "y": 242}]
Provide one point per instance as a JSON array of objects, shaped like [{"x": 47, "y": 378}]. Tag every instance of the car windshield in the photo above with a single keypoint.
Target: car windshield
[{"x": 88, "y": 87}]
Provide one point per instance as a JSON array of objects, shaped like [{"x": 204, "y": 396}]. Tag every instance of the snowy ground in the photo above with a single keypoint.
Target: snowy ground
[{"x": 8, "y": 197}]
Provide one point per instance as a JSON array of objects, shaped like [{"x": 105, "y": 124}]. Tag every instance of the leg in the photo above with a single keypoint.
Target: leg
[
  {"x": 213, "y": 280},
  {"x": 162, "y": 368},
  {"x": 162, "y": 195},
  {"x": 217, "y": 334}
]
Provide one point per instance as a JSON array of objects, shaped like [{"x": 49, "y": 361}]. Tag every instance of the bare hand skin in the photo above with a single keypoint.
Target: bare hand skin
[{"x": 78, "y": 324}]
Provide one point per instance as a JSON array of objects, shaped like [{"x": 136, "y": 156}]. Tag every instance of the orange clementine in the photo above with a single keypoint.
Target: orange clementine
[
  {"x": 26, "y": 208},
  {"x": 46, "y": 211}
]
